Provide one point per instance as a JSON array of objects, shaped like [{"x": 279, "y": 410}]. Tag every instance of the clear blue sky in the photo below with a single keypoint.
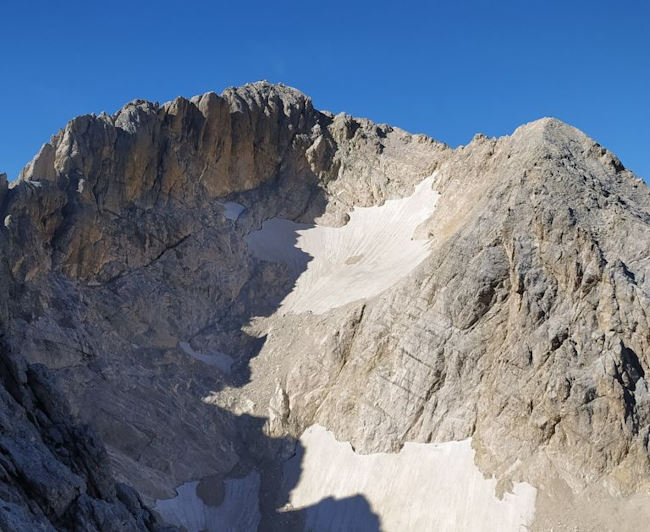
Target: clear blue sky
[{"x": 447, "y": 69}]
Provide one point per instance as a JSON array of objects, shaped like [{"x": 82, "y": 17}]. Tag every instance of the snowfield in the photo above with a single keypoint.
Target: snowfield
[
  {"x": 423, "y": 487},
  {"x": 338, "y": 265}
]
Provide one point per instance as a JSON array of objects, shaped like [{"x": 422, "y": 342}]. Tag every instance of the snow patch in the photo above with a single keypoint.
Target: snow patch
[
  {"x": 217, "y": 359},
  {"x": 339, "y": 265},
  {"x": 423, "y": 487},
  {"x": 231, "y": 209},
  {"x": 238, "y": 512}
]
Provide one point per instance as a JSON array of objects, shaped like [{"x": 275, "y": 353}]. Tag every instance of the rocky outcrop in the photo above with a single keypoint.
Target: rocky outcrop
[
  {"x": 129, "y": 269},
  {"x": 54, "y": 473},
  {"x": 151, "y": 164}
]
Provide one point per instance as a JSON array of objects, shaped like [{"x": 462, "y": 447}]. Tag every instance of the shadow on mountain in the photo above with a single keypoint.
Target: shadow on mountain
[
  {"x": 272, "y": 278},
  {"x": 329, "y": 514},
  {"x": 274, "y": 273},
  {"x": 200, "y": 424},
  {"x": 351, "y": 513}
]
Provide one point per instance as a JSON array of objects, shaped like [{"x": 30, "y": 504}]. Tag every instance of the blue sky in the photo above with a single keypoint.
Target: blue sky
[{"x": 447, "y": 69}]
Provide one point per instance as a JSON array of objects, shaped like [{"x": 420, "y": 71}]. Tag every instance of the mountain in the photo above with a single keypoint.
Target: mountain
[{"x": 276, "y": 318}]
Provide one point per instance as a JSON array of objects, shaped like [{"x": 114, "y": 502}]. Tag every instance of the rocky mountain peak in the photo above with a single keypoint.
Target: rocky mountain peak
[{"x": 238, "y": 290}]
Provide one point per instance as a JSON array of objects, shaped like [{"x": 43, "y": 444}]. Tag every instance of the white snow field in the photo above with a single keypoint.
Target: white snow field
[
  {"x": 338, "y": 265},
  {"x": 239, "y": 510},
  {"x": 423, "y": 487}
]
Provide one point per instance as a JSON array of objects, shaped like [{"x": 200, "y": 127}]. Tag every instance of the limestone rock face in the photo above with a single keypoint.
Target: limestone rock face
[
  {"x": 54, "y": 473},
  {"x": 153, "y": 259}
]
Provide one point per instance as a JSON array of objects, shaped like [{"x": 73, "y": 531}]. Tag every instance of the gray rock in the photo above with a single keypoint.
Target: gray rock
[{"x": 53, "y": 472}]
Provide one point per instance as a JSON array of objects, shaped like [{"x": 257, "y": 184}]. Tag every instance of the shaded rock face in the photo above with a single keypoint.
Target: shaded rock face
[
  {"x": 525, "y": 327},
  {"x": 54, "y": 473}
]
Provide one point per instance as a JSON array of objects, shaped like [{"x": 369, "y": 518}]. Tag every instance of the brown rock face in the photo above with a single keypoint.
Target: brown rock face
[
  {"x": 184, "y": 150},
  {"x": 128, "y": 271}
]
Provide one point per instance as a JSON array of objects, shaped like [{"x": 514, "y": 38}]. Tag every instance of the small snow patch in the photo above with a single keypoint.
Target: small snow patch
[
  {"x": 231, "y": 209},
  {"x": 217, "y": 359}
]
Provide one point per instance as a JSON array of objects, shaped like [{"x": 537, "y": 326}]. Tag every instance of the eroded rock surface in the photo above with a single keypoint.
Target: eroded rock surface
[
  {"x": 130, "y": 271},
  {"x": 54, "y": 472}
]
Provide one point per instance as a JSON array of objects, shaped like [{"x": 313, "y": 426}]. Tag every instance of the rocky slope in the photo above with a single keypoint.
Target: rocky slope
[
  {"x": 153, "y": 259},
  {"x": 54, "y": 473}
]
